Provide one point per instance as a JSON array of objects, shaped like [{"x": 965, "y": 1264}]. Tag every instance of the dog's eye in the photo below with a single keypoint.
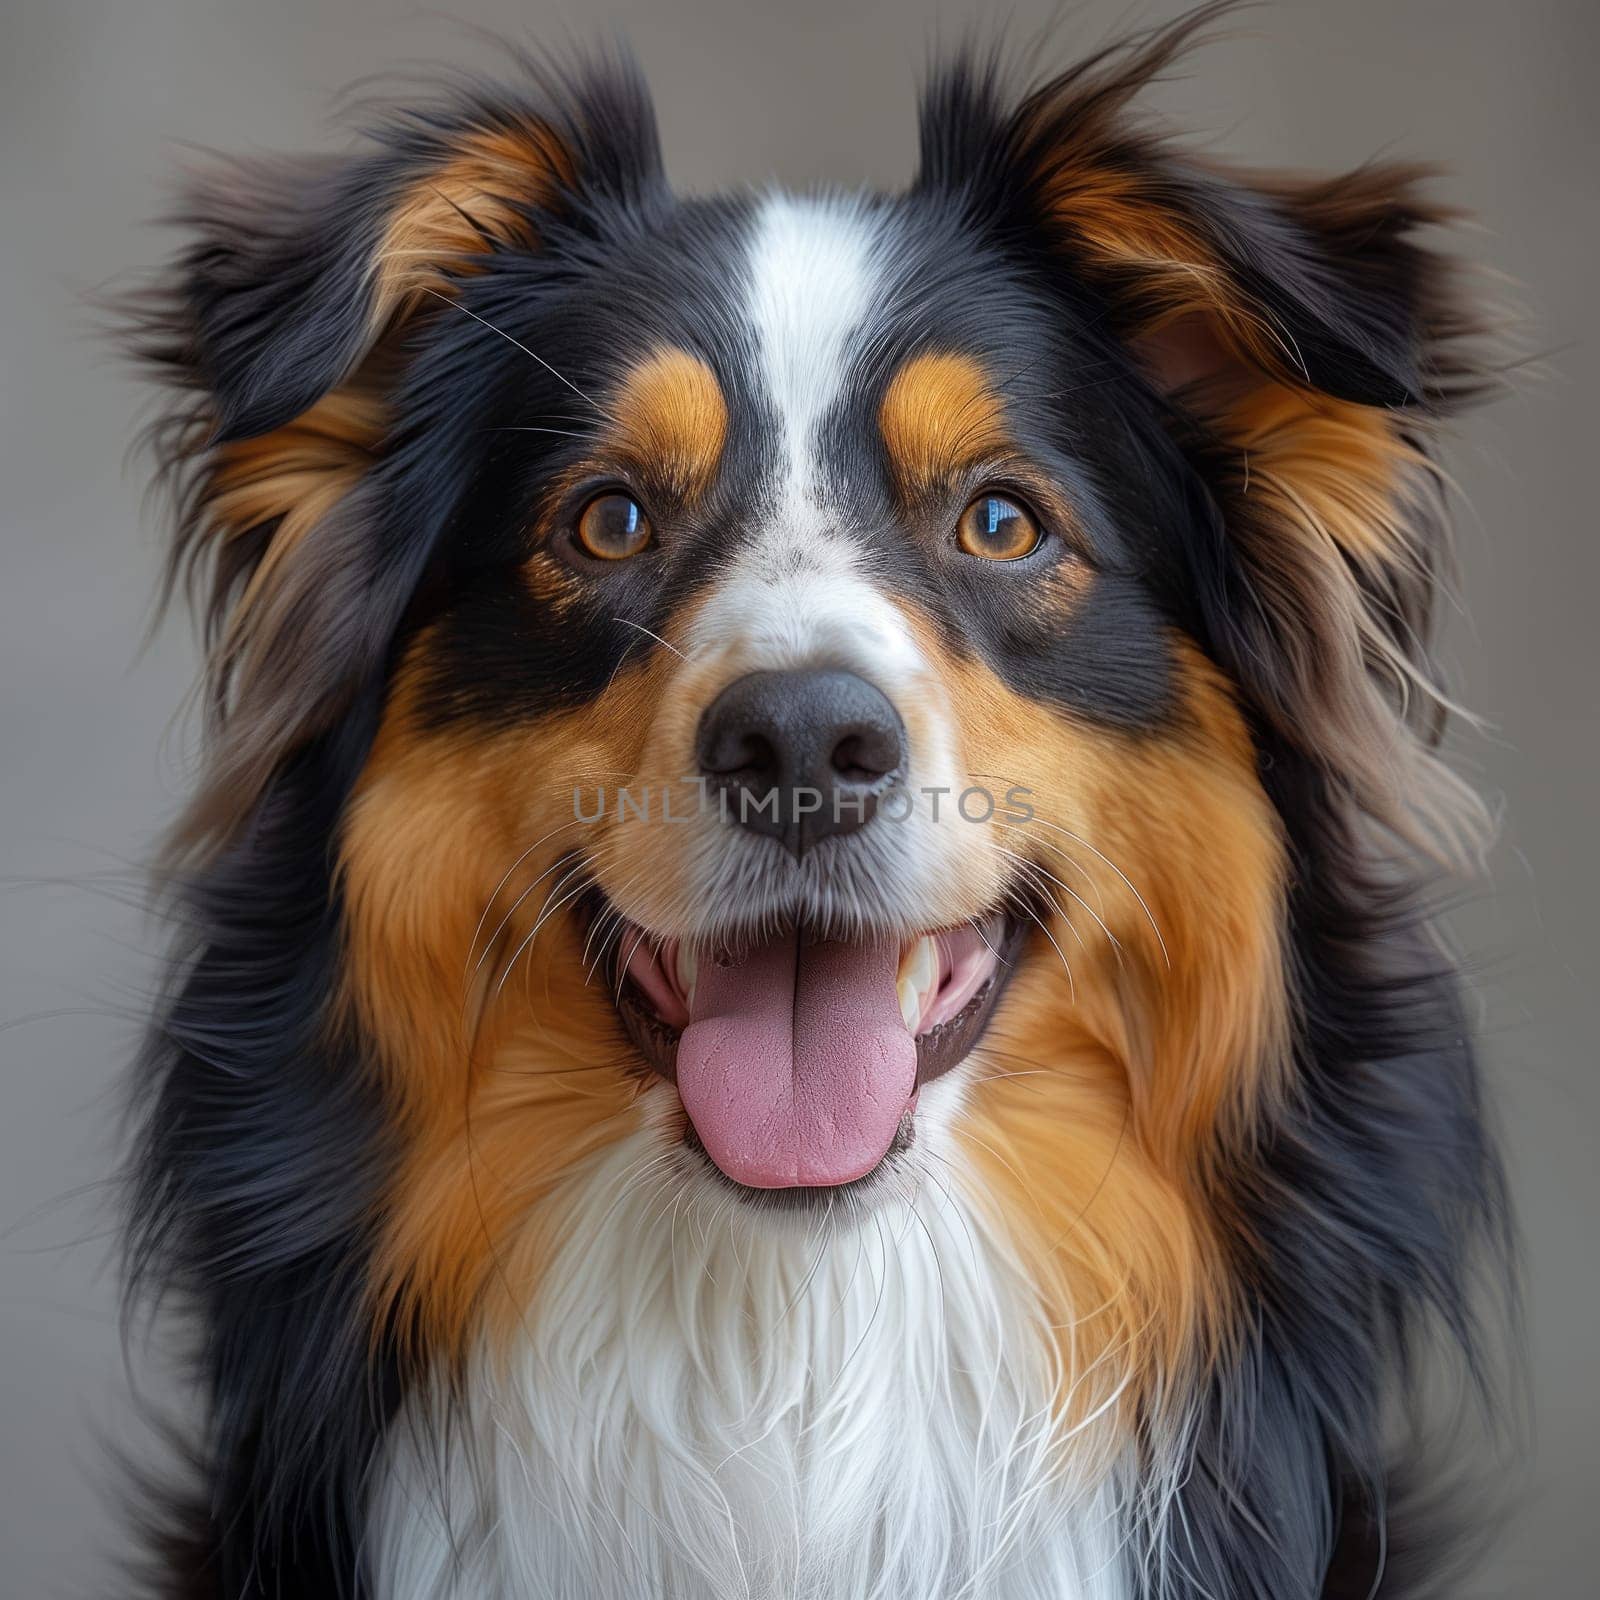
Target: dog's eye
[
  {"x": 613, "y": 526},
  {"x": 997, "y": 529}
]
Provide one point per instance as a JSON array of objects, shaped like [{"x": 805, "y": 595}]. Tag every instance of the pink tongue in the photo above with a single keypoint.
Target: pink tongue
[{"x": 796, "y": 1067}]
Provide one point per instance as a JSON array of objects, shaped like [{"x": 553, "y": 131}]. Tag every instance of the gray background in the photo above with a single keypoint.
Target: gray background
[{"x": 97, "y": 98}]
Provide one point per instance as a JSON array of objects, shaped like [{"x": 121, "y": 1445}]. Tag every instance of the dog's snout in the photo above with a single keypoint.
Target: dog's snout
[{"x": 801, "y": 755}]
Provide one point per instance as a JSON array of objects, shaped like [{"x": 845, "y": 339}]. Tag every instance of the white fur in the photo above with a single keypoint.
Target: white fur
[
  {"x": 795, "y": 593},
  {"x": 710, "y": 1402},
  {"x": 800, "y": 592},
  {"x": 774, "y": 613},
  {"x": 814, "y": 267}
]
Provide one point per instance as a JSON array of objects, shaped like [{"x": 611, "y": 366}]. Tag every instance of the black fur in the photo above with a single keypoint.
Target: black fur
[
  {"x": 1378, "y": 1192},
  {"x": 260, "y": 1165},
  {"x": 264, "y": 1145},
  {"x": 1377, "y": 1196}
]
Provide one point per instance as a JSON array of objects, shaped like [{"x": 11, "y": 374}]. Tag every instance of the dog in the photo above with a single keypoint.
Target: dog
[{"x": 804, "y": 958}]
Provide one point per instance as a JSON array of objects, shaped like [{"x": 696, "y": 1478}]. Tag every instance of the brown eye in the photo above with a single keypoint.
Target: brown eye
[
  {"x": 613, "y": 526},
  {"x": 997, "y": 529}
]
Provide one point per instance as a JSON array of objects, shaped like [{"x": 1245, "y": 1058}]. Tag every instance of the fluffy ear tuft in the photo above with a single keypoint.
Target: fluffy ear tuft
[
  {"x": 286, "y": 327},
  {"x": 1315, "y": 282},
  {"x": 1306, "y": 341},
  {"x": 301, "y": 265}
]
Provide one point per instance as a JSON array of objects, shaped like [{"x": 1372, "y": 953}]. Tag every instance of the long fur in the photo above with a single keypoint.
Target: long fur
[
  {"x": 911, "y": 1446},
  {"x": 912, "y": 1378}
]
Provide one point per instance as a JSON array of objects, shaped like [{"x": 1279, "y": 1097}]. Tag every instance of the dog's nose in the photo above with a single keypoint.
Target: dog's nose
[{"x": 801, "y": 755}]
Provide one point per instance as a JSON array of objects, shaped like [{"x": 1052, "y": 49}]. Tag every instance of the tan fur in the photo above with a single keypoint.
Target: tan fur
[
  {"x": 503, "y": 1060},
  {"x": 259, "y": 504},
  {"x": 1330, "y": 495},
  {"x": 1333, "y": 473},
  {"x": 1136, "y": 1049},
  {"x": 669, "y": 422},
  {"x": 293, "y": 476},
  {"x": 1327, "y": 498},
  {"x": 1138, "y": 1073},
  {"x": 939, "y": 416},
  {"x": 439, "y": 225}
]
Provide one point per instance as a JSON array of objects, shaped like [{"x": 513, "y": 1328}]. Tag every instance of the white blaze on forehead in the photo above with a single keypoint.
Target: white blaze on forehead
[
  {"x": 816, "y": 265},
  {"x": 800, "y": 589},
  {"x": 795, "y": 593}
]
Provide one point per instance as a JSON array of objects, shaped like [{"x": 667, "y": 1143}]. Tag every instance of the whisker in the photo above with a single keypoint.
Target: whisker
[
  {"x": 512, "y": 910},
  {"x": 1067, "y": 888},
  {"x": 656, "y": 636},
  {"x": 489, "y": 904},
  {"x": 1033, "y": 872},
  {"x": 1071, "y": 861},
  {"x": 545, "y": 913},
  {"x": 466, "y": 312},
  {"x": 616, "y": 923},
  {"x": 1000, "y": 1077},
  {"x": 599, "y": 929},
  {"x": 977, "y": 928},
  {"x": 1066, "y": 965},
  {"x": 560, "y": 433},
  {"x": 1149, "y": 915},
  {"x": 627, "y": 960}
]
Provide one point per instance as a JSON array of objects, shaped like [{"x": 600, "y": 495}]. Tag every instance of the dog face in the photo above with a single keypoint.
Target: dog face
[
  {"x": 845, "y": 507},
  {"x": 802, "y": 669},
  {"x": 826, "y": 553}
]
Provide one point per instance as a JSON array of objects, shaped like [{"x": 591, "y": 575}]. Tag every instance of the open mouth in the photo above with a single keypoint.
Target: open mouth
[{"x": 799, "y": 1059}]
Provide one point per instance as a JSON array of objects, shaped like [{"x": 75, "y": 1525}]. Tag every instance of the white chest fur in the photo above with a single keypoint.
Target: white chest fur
[{"x": 709, "y": 1403}]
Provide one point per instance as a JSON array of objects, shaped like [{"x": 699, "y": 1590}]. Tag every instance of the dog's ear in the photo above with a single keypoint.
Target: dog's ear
[
  {"x": 287, "y": 327},
  {"x": 304, "y": 266},
  {"x": 1205, "y": 270},
  {"x": 1305, "y": 341},
  {"x": 301, "y": 266}
]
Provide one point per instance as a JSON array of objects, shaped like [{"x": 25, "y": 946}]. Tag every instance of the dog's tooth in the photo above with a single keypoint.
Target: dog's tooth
[
  {"x": 917, "y": 977},
  {"x": 688, "y": 970},
  {"x": 916, "y": 971},
  {"x": 910, "y": 1002},
  {"x": 913, "y": 957}
]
